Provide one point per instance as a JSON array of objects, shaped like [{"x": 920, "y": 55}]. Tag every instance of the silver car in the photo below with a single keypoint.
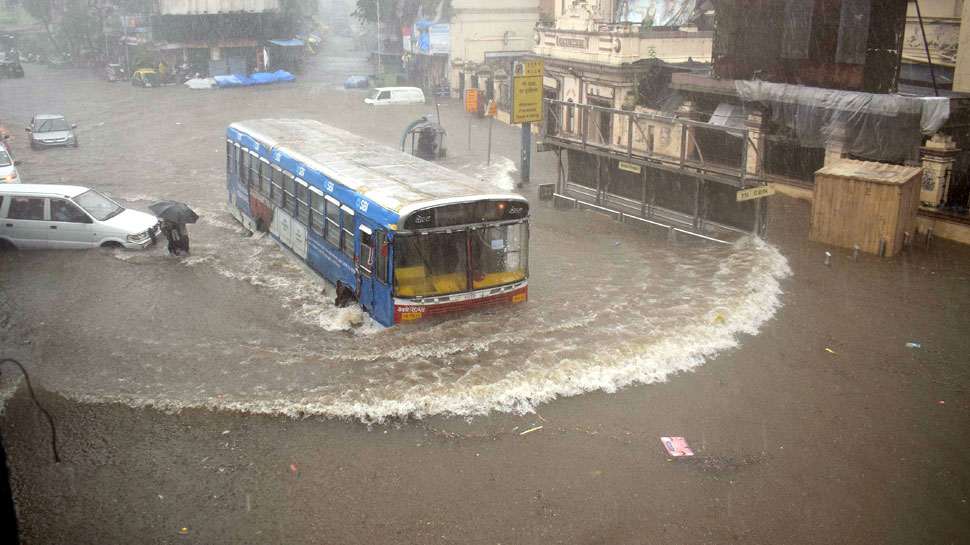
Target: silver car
[{"x": 48, "y": 131}]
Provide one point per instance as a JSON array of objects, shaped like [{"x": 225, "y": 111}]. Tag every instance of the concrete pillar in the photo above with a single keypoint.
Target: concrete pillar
[
  {"x": 755, "y": 123},
  {"x": 961, "y": 74},
  {"x": 938, "y": 156},
  {"x": 688, "y": 110}
]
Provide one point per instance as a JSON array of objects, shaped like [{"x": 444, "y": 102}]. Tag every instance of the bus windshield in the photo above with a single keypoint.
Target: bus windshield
[{"x": 445, "y": 263}]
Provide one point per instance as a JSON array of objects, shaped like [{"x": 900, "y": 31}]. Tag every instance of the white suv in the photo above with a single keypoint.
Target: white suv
[{"x": 40, "y": 216}]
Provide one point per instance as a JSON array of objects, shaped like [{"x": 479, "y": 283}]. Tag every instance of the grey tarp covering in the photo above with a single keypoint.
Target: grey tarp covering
[{"x": 877, "y": 127}]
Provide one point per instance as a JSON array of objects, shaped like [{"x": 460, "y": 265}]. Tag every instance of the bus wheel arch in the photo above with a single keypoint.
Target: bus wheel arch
[
  {"x": 261, "y": 226},
  {"x": 345, "y": 295}
]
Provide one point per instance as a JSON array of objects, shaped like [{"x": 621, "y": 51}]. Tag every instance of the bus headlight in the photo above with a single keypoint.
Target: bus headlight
[{"x": 11, "y": 177}]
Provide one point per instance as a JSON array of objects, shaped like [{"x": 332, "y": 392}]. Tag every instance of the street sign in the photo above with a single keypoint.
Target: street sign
[
  {"x": 491, "y": 108},
  {"x": 527, "y": 91},
  {"x": 471, "y": 100},
  {"x": 528, "y": 68},
  {"x": 756, "y": 192},
  {"x": 630, "y": 167}
]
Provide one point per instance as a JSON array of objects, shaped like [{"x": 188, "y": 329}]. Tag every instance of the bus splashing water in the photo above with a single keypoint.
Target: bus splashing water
[{"x": 404, "y": 238}]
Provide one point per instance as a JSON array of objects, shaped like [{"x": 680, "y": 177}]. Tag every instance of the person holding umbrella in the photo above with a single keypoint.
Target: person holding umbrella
[{"x": 175, "y": 218}]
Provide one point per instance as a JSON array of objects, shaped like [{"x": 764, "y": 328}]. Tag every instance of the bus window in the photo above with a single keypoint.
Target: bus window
[
  {"x": 244, "y": 165},
  {"x": 264, "y": 174},
  {"x": 380, "y": 256},
  {"x": 347, "y": 238},
  {"x": 499, "y": 254},
  {"x": 316, "y": 211},
  {"x": 288, "y": 192},
  {"x": 366, "y": 252},
  {"x": 333, "y": 221},
  {"x": 431, "y": 264},
  {"x": 235, "y": 159},
  {"x": 229, "y": 152},
  {"x": 277, "y": 186},
  {"x": 253, "y": 170},
  {"x": 302, "y": 204}
]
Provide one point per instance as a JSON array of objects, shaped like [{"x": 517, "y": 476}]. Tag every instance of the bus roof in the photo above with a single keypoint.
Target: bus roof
[{"x": 393, "y": 179}]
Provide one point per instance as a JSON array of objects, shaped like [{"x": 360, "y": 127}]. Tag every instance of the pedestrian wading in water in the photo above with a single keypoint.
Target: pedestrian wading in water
[{"x": 177, "y": 236}]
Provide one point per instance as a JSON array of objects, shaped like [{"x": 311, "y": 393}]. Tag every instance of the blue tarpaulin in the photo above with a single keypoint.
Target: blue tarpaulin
[
  {"x": 287, "y": 43},
  {"x": 259, "y": 78}
]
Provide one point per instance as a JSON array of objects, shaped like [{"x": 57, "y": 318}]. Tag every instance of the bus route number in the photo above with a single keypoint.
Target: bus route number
[
  {"x": 362, "y": 204},
  {"x": 277, "y": 157},
  {"x": 330, "y": 187},
  {"x": 302, "y": 171}
]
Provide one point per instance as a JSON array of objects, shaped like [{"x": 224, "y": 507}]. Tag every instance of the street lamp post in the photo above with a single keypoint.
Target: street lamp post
[{"x": 378, "y": 43}]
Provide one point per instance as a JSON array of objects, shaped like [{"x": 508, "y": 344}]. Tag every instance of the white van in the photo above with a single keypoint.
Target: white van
[
  {"x": 40, "y": 216},
  {"x": 395, "y": 95}
]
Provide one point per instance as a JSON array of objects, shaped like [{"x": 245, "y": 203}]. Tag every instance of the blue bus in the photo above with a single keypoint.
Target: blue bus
[{"x": 404, "y": 238}]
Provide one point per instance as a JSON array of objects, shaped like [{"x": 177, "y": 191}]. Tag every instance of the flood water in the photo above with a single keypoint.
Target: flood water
[{"x": 239, "y": 324}]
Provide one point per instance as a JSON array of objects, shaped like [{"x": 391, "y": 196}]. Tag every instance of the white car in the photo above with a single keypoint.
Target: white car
[
  {"x": 8, "y": 172},
  {"x": 41, "y": 216}
]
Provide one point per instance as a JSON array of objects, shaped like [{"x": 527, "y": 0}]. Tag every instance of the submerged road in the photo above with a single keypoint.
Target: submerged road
[
  {"x": 237, "y": 324},
  {"x": 173, "y": 381}
]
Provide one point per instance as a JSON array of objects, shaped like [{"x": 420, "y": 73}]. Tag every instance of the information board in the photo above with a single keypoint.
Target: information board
[
  {"x": 471, "y": 100},
  {"x": 527, "y": 91}
]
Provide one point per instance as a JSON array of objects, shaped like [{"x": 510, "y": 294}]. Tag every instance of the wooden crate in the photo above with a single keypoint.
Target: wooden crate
[{"x": 861, "y": 203}]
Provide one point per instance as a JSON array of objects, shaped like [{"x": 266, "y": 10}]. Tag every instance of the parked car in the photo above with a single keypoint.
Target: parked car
[
  {"x": 144, "y": 78},
  {"x": 115, "y": 72},
  {"x": 11, "y": 69},
  {"x": 8, "y": 170},
  {"x": 356, "y": 82},
  {"x": 49, "y": 130},
  {"x": 41, "y": 216},
  {"x": 395, "y": 95},
  {"x": 59, "y": 61}
]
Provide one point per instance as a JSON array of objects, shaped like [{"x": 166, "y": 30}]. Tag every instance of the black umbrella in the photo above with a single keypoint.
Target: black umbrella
[{"x": 174, "y": 212}]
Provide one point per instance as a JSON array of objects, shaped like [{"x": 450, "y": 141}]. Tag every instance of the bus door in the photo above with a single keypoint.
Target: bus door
[{"x": 364, "y": 260}]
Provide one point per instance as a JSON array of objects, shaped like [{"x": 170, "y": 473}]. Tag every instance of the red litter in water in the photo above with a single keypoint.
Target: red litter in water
[
  {"x": 942, "y": 402},
  {"x": 293, "y": 467},
  {"x": 677, "y": 446}
]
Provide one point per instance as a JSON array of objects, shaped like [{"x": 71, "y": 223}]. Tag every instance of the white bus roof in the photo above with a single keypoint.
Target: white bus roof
[{"x": 394, "y": 180}]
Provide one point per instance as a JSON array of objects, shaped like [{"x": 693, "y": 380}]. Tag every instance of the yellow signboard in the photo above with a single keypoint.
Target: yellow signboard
[
  {"x": 756, "y": 192},
  {"x": 471, "y": 100},
  {"x": 528, "y": 68},
  {"x": 527, "y": 99},
  {"x": 527, "y": 91}
]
